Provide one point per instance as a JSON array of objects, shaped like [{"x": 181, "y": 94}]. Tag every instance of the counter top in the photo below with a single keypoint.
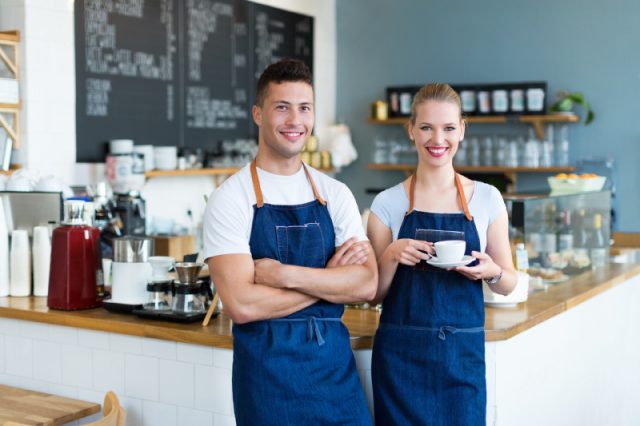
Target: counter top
[{"x": 500, "y": 323}]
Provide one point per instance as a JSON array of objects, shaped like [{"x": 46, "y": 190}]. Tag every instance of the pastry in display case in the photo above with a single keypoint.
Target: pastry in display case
[{"x": 564, "y": 235}]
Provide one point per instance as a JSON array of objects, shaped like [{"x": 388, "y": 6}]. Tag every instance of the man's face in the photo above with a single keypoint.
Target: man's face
[{"x": 285, "y": 119}]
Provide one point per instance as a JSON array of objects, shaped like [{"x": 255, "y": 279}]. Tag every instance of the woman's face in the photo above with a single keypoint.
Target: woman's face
[{"x": 437, "y": 132}]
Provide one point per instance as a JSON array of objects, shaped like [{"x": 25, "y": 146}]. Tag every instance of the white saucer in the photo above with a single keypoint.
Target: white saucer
[
  {"x": 496, "y": 304},
  {"x": 446, "y": 265}
]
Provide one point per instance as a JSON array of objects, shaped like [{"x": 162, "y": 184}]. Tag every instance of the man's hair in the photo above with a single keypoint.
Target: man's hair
[{"x": 285, "y": 70}]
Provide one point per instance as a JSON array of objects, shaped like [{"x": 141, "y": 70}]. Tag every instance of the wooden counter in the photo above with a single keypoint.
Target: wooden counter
[{"x": 500, "y": 324}]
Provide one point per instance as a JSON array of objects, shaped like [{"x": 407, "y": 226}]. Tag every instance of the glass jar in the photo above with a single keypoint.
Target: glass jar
[
  {"x": 160, "y": 297},
  {"x": 188, "y": 299}
]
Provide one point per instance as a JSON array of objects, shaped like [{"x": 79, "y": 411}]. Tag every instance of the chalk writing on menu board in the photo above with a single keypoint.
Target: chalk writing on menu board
[{"x": 175, "y": 72}]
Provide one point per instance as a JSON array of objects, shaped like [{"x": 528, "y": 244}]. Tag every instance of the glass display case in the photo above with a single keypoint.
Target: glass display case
[{"x": 563, "y": 234}]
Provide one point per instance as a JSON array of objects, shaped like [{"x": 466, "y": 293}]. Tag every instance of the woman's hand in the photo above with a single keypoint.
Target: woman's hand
[
  {"x": 485, "y": 269},
  {"x": 410, "y": 252}
]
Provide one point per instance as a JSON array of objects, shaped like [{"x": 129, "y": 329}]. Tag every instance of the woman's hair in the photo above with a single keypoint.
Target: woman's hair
[{"x": 435, "y": 92}]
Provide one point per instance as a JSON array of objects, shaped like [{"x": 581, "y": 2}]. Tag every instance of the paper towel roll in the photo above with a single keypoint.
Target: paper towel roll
[
  {"x": 41, "y": 260},
  {"x": 20, "y": 264}
]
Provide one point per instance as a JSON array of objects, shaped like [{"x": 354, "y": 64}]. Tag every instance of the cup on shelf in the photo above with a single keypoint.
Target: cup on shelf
[
  {"x": 120, "y": 146},
  {"x": 165, "y": 157},
  {"x": 147, "y": 152}
]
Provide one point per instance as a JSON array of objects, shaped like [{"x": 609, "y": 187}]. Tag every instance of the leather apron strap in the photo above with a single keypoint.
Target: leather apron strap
[
  {"x": 258, "y": 190},
  {"x": 461, "y": 196}
]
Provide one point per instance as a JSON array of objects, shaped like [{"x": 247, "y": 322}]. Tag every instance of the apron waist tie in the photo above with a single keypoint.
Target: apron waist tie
[
  {"x": 313, "y": 330},
  {"x": 449, "y": 329}
]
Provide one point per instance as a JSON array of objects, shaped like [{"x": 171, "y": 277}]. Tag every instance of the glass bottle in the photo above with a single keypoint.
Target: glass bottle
[
  {"x": 597, "y": 244},
  {"x": 562, "y": 146},
  {"x": 532, "y": 151},
  {"x": 565, "y": 234},
  {"x": 580, "y": 231},
  {"x": 522, "y": 258}
]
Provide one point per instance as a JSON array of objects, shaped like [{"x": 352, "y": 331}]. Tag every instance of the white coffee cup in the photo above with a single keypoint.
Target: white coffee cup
[
  {"x": 450, "y": 250},
  {"x": 165, "y": 157},
  {"x": 120, "y": 146}
]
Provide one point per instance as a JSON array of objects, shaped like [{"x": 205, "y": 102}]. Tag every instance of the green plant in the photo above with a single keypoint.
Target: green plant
[{"x": 566, "y": 101}]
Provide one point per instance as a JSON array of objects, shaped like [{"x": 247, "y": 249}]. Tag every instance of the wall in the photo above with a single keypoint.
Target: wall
[
  {"x": 583, "y": 45},
  {"x": 47, "y": 87}
]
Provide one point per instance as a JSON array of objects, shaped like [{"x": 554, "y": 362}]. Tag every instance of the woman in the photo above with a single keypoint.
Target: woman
[{"x": 428, "y": 357}]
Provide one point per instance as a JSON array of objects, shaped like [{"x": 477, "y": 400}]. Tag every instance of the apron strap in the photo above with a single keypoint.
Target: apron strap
[
  {"x": 463, "y": 199},
  {"x": 412, "y": 191},
  {"x": 258, "y": 190},
  {"x": 313, "y": 186},
  {"x": 256, "y": 184}
]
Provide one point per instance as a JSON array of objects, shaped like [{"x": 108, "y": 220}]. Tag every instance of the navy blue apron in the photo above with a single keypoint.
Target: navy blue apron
[
  {"x": 428, "y": 355},
  {"x": 297, "y": 370}
]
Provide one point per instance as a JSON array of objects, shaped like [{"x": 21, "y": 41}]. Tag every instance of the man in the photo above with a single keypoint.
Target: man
[{"x": 284, "y": 262}]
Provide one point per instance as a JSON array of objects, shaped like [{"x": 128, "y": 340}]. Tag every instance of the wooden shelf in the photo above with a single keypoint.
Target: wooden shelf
[
  {"x": 204, "y": 172},
  {"x": 192, "y": 172},
  {"x": 510, "y": 173},
  {"x": 537, "y": 121},
  {"x": 11, "y": 107},
  {"x": 478, "y": 169}
]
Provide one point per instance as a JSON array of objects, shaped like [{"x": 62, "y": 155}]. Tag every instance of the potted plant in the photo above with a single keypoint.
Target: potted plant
[{"x": 567, "y": 100}]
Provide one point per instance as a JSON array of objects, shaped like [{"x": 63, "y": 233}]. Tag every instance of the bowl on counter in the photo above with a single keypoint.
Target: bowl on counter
[{"x": 575, "y": 185}]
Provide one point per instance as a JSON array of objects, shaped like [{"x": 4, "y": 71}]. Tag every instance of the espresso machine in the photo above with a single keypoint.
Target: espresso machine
[{"x": 131, "y": 211}]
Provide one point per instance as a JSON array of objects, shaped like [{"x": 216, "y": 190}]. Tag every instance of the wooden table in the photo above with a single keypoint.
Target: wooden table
[{"x": 25, "y": 407}]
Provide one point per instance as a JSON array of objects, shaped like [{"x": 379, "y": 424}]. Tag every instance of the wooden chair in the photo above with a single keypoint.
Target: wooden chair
[{"x": 114, "y": 414}]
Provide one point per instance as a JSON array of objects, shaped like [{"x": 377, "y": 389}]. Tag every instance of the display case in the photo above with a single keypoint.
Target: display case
[{"x": 563, "y": 234}]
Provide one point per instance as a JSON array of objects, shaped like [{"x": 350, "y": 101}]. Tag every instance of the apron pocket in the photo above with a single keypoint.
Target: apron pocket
[{"x": 301, "y": 245}]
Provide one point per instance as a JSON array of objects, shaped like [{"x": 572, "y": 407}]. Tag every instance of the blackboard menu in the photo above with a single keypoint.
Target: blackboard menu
[{"x": 175, "y": 72}]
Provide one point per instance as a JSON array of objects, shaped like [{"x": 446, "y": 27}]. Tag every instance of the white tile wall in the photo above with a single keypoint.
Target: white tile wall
[
  {"x": 189, "y": 417},
  {"x": 109, "y": 372},
  {"x": 141, "y": 377},
  {"x": 93, "y": 339},
  {"x": 176, "y": 383},
  {"x": 158, "y": 382},
  {"x": 47, "y": 358},
  {"x": 128, "y": 344},
  {"x": 196, "y": 354},
  {"x": 77, "y": 363},
  {"x": 159, "y": 348},
  {"x": 19, "y": 355},
  {"x": 158, "y": 414}
]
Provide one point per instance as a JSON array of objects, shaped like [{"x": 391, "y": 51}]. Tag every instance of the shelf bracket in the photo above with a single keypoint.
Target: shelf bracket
[{"x": 539, "y": 129}]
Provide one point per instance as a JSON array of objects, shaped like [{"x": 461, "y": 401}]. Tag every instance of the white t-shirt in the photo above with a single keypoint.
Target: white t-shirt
[
  {"x": 485, "y": 205},
  {"x": 229, "y": 213}
]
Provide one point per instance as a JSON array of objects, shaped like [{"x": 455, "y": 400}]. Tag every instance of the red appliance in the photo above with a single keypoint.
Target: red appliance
[{"x": 75, "y": 262}]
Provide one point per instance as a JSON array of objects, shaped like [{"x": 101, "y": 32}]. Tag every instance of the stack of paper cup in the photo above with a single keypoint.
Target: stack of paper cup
[
  {"x": 41, "y": 260},
  {"x": 20, "y": 260}
]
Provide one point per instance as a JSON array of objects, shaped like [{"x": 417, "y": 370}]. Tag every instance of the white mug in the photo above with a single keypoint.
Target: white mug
[{"x": 450, "y": 250}]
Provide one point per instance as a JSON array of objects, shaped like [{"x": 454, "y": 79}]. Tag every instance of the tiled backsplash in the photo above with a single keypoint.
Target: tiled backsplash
[{"x": 158, "y": 382}]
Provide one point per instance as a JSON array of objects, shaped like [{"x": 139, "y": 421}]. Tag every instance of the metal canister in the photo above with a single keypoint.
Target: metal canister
[
  {"x": 316, "y": 160},
  {"x": 132, "y": 249},
  {"x": 326, "y": 159}
]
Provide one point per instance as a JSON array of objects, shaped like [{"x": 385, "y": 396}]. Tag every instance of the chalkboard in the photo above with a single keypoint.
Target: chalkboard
[{"x": 175, "y": 72}]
